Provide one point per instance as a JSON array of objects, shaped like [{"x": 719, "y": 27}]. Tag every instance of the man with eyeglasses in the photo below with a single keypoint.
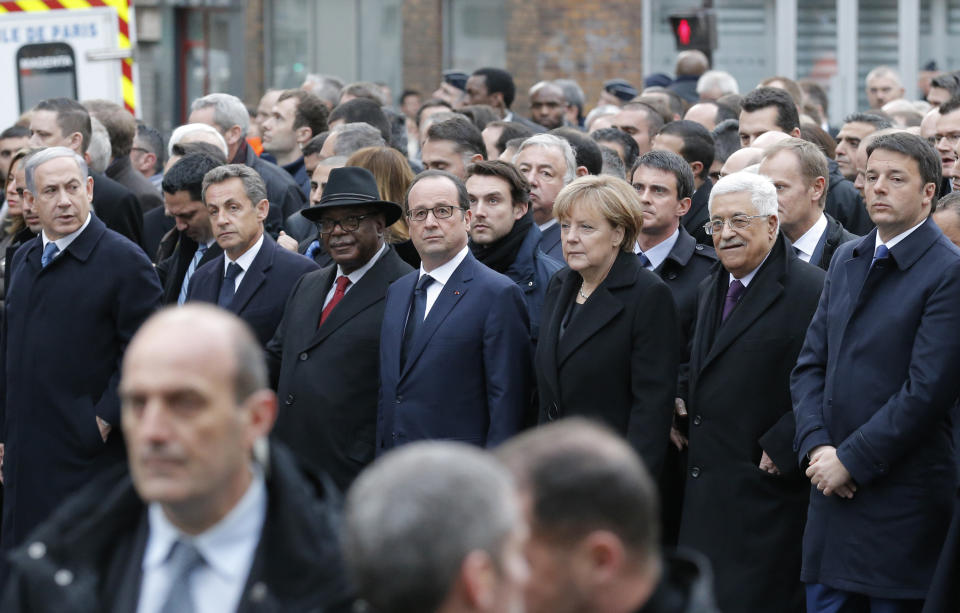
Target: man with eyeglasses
[
  {"x": 745, "y": 497},
  {"x": 254, "y": 275},
  {"x": 946, "y": 140},
  {"x": 455, "y": 345},
  {"x": 325, "y": 355}
]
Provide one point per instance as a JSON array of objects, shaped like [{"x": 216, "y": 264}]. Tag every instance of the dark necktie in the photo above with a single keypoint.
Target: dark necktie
[
  {"x": 644, "y": 260},
  {"x": 183, "y": 561},
  {"x": 185, "y": 286},
  {"x": 342, "y": 283},
  {"x": 229, "y": 286},
  {"x": 733, "y": 296},
  {"x": 881, "y": 256},
  {"x": 49, "y": 252},
  {"x": 417, "y": 313}
]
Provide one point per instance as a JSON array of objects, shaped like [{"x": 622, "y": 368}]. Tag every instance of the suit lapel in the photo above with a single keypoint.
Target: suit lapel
[
  {"x": 311, "y": 299},
  {"x": 394, "y": 320},
  {"x": 857, "y": 267},
  {"x": 450, "y": 295},
  {"x": 255, "y": 276},
  {"x": 550, "y": 328}
]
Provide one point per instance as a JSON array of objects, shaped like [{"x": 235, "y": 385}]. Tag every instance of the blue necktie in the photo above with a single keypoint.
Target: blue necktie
[
  {"x": 644, "y": 260},
  {"x": 229, "y": 286},
  {"x": 417, "y": 314},
  {"x": 201, "y": 250},
  {"x": 184, "y": 560},
  {"x": 49, "y": 252},
  {"x": 312, "y": 249},
  {"x": 882, "y": 255}
]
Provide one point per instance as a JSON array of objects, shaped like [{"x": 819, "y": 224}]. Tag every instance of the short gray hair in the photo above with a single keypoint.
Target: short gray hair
[
  {"x": 228, "y": 111},
  {"x": 883, "y": 71},
  {"x": 717, "y": 79},
  {"x": 253, "y": 184},
  {"x": 549, "y": 140},
  {"x": 325, "y": 87},
  {"x": 763, "y": 194},
  {"x": 600, "y": 111},
  {"x": 45, "y": 155},
  {"x": 99, "y": 148},
  {"x": 352, "y": 137},
  {"x": 189, "y": 128},
  {"x": 414, "y": 515}
]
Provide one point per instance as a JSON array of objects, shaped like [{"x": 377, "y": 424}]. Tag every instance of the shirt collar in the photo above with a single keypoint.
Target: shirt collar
[
  {"x": 441, "y": 274},
  {"x": 659, "y": 252},
  {"x": 808, "y": 242},
  {"x": 224, "y": 545},
  {"x": 549, "y": 224},
  {"x": 358, "y": 273},
  {"x": 246, "y": 259},
  {"x": 896, "y": 239},
  {"x": 64, "y": 242}
]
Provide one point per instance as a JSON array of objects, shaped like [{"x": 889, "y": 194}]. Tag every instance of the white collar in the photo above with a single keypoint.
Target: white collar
[
  {"x": 543, "y": 226},
  {"x": 358, "y": 273},
  {"x": 63, "y": 242},
  {"x": 896, "y": 239},
  {"x": 659, "y": 252},
  {"x": 223, "y": 545},
  {"x": 808, "y": 242},
  {"x": 441, "y": 274},
  {"x": 245, "y": 260}
]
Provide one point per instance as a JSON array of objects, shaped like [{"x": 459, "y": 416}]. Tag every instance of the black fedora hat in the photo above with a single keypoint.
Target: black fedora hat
[{"x": 352, "y": 186}]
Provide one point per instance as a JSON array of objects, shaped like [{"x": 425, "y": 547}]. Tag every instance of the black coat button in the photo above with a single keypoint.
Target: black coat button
[
  {"x": 303, "y": 356},
  {"x": 289, "y": 399},
  {"x": 697, "y": 420},
  {"x": 695, "y": 472}
]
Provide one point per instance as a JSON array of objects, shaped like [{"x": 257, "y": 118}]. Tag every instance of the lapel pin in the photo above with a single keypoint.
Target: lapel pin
[{"x": 456, "y": 293}]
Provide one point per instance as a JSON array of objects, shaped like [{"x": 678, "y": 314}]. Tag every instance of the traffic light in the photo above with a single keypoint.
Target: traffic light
[{"x": 696, "y": 29}]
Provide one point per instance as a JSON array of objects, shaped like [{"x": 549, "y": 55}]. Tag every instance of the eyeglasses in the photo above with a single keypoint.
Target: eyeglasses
[
  {"x": 349, "y": 224},
  {"x": 440, "y": 212},
  {"x": 737, "y": 222},
  {"x": 952, "y": 139}
]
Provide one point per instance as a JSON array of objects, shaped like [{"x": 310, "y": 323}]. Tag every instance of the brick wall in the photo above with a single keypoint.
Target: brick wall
[{"x": 547, "y": 39}]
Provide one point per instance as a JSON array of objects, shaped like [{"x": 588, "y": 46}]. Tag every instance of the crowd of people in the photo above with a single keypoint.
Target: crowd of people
[{"x": 688, "y": 350}]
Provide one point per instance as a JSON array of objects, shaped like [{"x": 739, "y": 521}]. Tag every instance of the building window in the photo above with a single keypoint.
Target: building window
[{"x": 475, "y": 34}]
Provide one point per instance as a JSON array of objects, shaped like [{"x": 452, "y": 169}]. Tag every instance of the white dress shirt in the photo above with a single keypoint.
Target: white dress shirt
[
  {"x": 244, "y": 261},
  {"x": 354, "y": 276},
  {"x": 227, "y": 548},
  {"x": 63, "y": 243},
  {"x": 440, "y": 275},
  {"x": 659, "y": 252},
  {"x": 747, "y": 278},
  {"x": 807, "y": 243},
  {"x": 896, "y": 239}
]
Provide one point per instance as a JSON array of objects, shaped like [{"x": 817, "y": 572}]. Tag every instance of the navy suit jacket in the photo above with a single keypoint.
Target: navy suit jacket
[
  {"x": 877, "y": 379},
  {"x": 64, "y": 334},
  {"x": 550, "y": 244},
  {"x": 468, "y": 375},
  {"x": 263, "y": 291}
]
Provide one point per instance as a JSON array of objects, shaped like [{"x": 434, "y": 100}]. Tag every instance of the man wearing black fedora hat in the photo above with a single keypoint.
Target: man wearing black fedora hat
[{"x": 324, "y": 357}]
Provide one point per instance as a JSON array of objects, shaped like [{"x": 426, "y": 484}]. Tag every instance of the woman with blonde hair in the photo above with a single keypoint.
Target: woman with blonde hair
[
  {"x": 609, "y": 343},
  {"x": 14, "y": 229},
  {"x": 393, "y": 175}
]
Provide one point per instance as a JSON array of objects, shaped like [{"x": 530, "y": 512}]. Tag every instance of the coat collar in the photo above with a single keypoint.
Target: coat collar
[
  {"x": 906, "y": 252},
  {"x": 523, "y": 266},
  {"x": 682, "y": 249},
  {"x": 80, "y": 248}
]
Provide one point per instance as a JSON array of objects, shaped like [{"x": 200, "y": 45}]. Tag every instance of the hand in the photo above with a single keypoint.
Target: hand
[
  {"x": 288, "y": 242},
  {"x": 828, "y": 473},
  {"x": 767, "y": 465},
  {"x": 104, "y": 428},
  {"x": 676, "y": 437}
]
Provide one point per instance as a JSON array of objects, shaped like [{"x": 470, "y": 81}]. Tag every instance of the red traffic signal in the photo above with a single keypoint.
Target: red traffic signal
[{"x": 695, "y": 29}]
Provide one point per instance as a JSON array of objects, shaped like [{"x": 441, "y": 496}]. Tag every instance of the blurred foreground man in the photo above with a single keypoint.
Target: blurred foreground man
[
  {"x": 77, "y": 294},
  {"x": 594, "y": 534},
  {"x": 449, "y": 543},
  {"x": 199, "y": 525},
  {"x": 873, "y": 393},
  {"x": 745, "y": 499}
]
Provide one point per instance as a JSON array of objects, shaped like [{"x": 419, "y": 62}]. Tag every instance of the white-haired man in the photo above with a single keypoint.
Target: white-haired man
[
  {"x": 752, "y": 314},
  {"x": 548, "y": 164}
]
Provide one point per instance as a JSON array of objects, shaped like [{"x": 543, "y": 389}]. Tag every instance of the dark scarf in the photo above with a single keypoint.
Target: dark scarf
[{"x": 500, "y": 254}]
